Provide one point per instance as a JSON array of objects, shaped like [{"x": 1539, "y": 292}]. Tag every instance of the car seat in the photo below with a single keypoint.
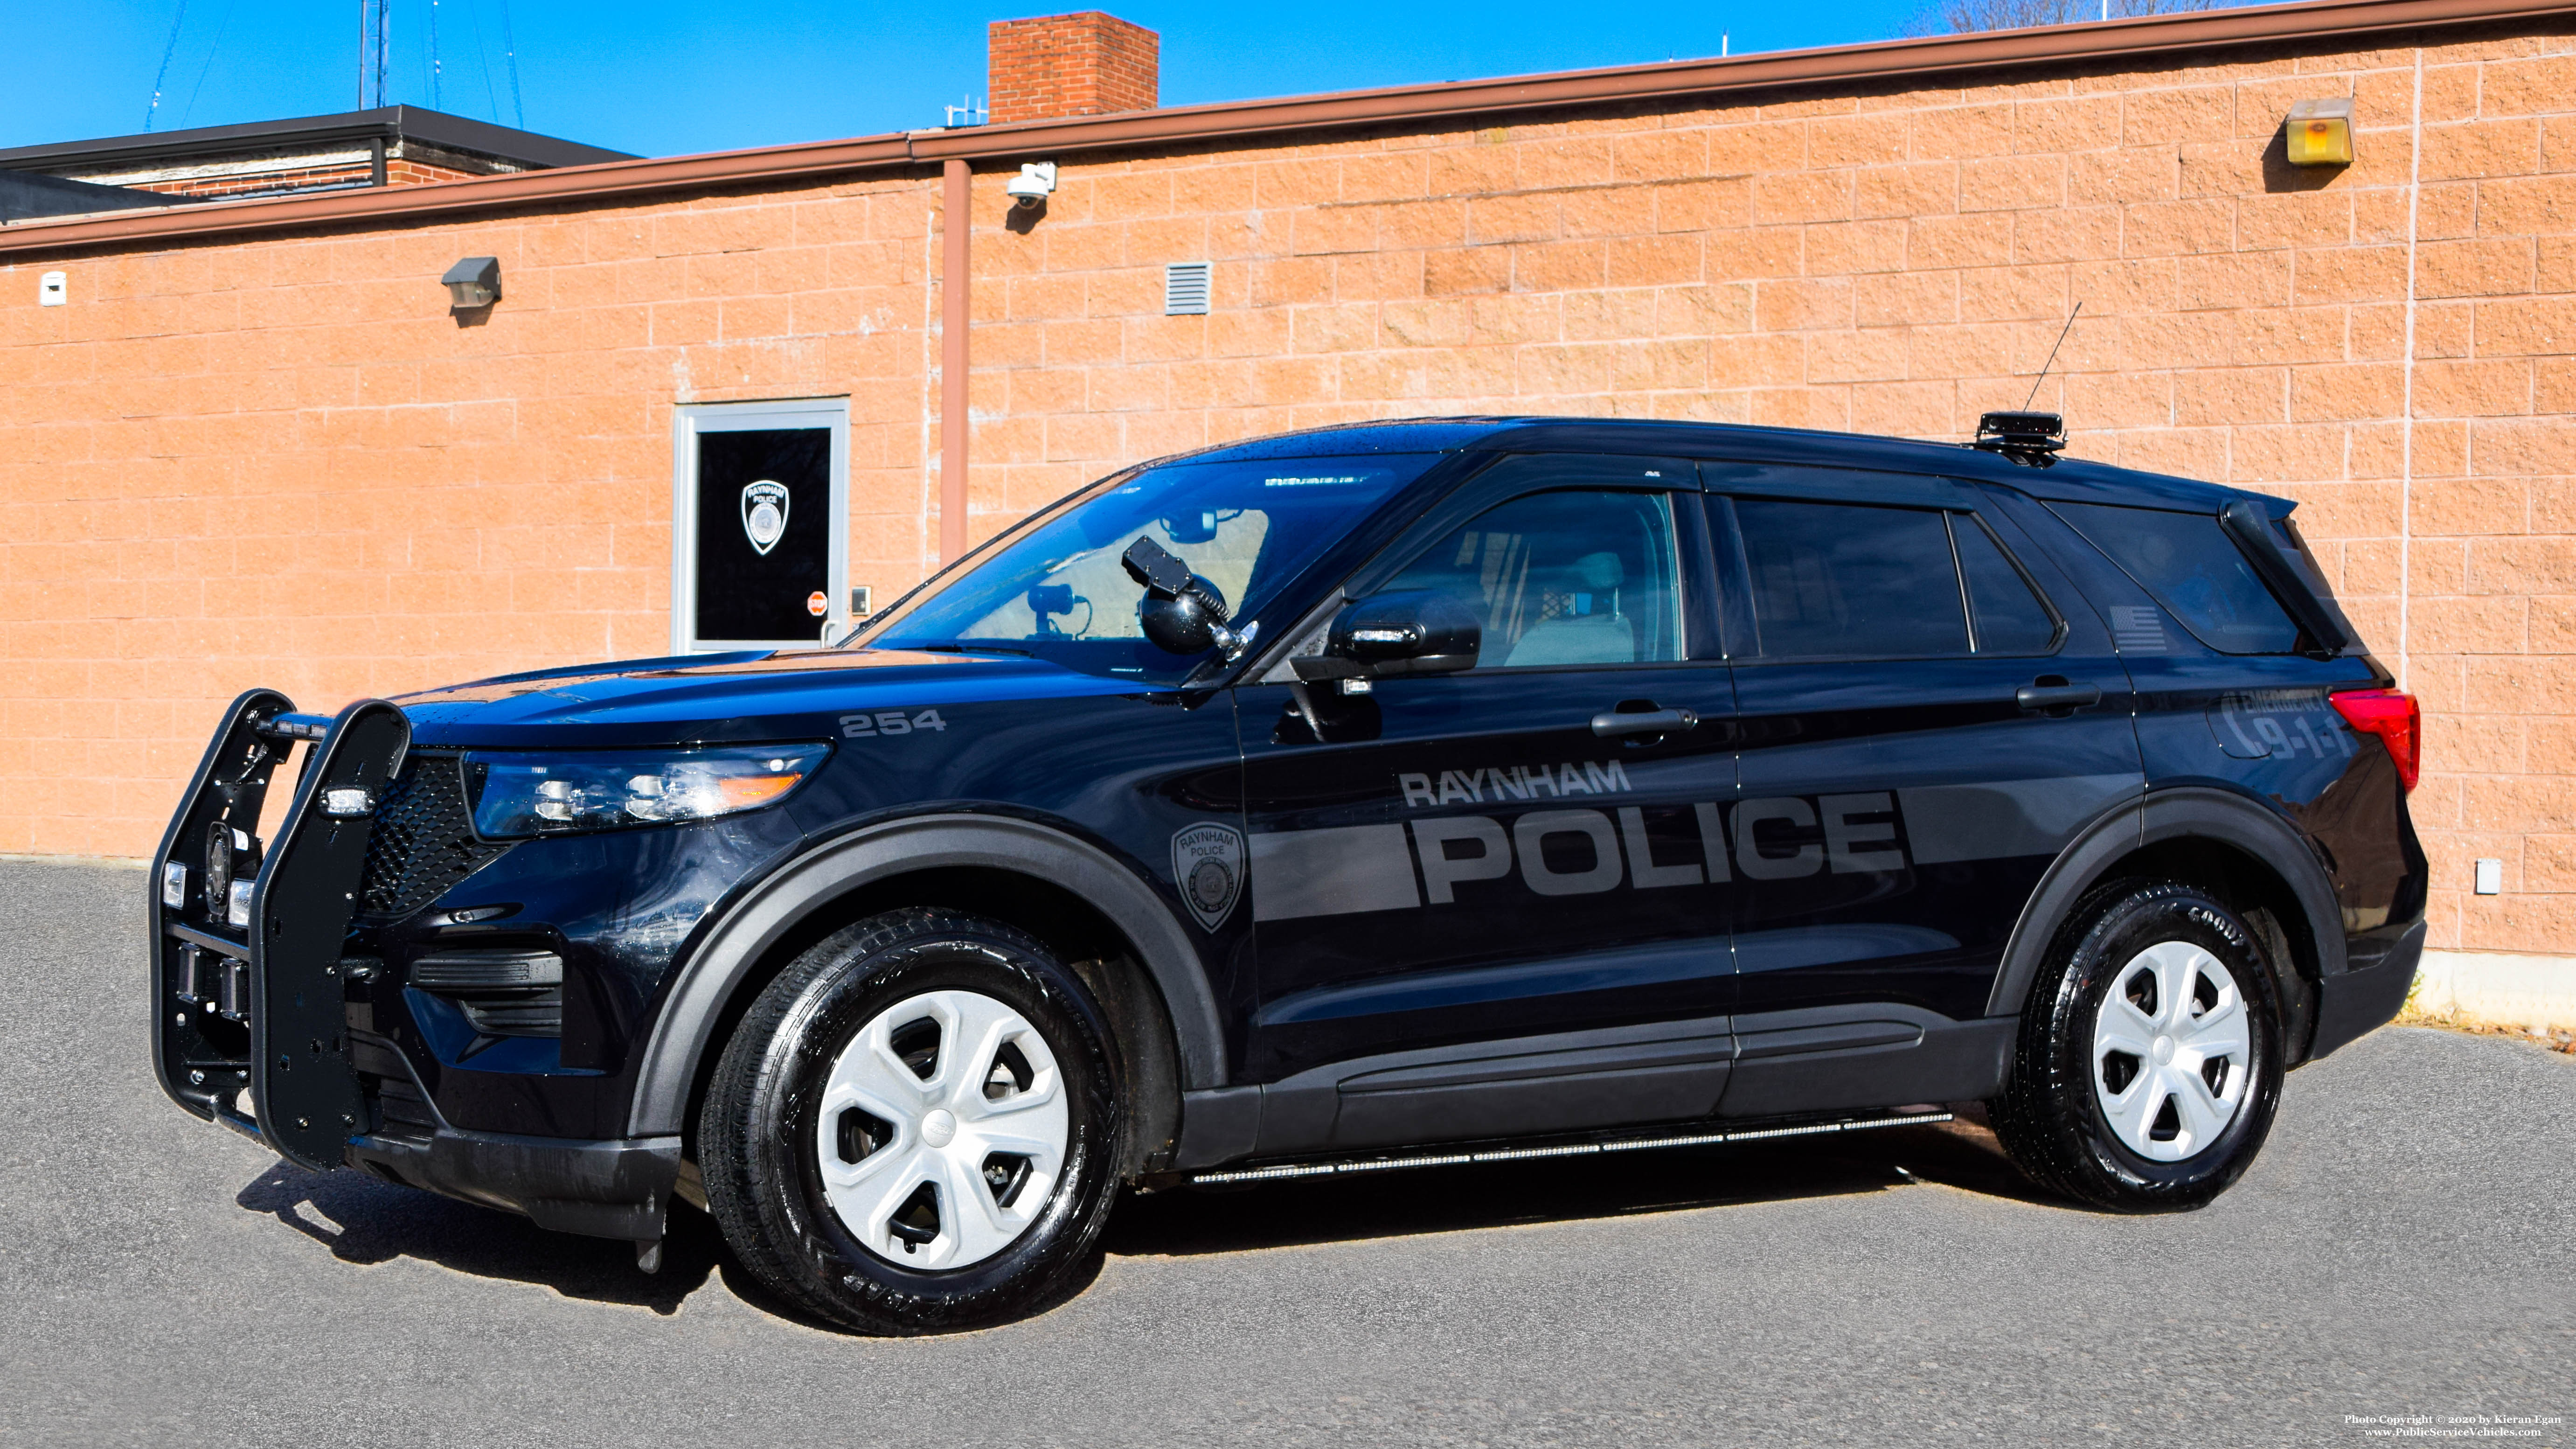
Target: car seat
[{"x": 1596, "y": 632}]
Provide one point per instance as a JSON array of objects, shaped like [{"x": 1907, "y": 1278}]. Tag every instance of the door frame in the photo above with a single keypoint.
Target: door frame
[{"x": 688, "y": 420}]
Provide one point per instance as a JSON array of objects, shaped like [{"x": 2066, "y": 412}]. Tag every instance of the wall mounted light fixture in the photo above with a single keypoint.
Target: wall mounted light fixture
[
  {"x": 2319, "y": 133},
  {"x": 473, "y": 282}
]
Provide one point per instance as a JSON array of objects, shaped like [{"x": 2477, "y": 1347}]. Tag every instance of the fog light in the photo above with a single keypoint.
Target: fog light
[
  {"x": 347, "y": 801},
  {"x": 237, "y": 903},
  {"x": 2319, "y": 133},
  {"x": 174, "y": 884}
]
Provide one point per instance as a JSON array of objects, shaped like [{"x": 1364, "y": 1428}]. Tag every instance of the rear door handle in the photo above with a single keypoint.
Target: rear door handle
[
  {"x": 2057, "y": 696},
  {"x": 1644, "y": 722}
]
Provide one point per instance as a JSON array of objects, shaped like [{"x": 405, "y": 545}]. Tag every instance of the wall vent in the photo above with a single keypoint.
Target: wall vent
[{"x": 1185, "y": 289}]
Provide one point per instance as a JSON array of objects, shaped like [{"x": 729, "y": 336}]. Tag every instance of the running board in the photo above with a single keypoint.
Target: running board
[{"x": 1562, "y": 1149}]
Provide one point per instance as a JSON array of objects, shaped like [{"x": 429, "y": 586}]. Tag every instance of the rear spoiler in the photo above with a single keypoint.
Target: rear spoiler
[{"x": 2299, "y": 587}]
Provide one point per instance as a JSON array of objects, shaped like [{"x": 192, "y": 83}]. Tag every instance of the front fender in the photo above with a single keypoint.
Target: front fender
[{"x": 684, "y": 1027}]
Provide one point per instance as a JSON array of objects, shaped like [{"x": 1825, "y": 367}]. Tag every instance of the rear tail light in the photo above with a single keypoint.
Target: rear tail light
[{"x": 2391, "y": 715}]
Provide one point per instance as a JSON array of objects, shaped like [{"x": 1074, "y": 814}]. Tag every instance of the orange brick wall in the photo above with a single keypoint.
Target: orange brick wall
[
  {"x": 1070, "y": 65},
  {"x": 1897, "y": 263},
  {"x": 283, "y": 463},
  {"x": 295, "y": 435}
]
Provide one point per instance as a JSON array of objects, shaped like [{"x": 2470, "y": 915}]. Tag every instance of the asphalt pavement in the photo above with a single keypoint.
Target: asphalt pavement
[{"x": 2405, "y": 1246}]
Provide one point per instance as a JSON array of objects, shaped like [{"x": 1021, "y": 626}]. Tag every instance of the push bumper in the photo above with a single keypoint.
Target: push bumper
[
  {"x": 617, "y": 1188},
  {"x": 2353, "y": 1003},
  {"x": 248, "y": 994}
]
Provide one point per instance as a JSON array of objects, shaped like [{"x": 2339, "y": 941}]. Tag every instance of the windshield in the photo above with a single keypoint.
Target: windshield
[{"x": 1054, "y": 588}]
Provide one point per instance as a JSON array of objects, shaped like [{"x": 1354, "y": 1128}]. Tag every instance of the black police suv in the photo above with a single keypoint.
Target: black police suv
[{"x": 1418, "y": 792}]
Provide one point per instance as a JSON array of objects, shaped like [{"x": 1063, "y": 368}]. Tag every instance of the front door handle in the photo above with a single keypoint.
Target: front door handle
[
  {"x": 2052, "y": 692},
  {"x": 1644, "y": 722}
]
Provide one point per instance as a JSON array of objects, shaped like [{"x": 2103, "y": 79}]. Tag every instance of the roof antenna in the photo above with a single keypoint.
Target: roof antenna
[
  {"x": 2052, "y": 356},
  {"x": 2028, "y": 438}
]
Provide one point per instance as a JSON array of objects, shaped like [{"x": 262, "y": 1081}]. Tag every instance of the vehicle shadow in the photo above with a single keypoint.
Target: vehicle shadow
[
  {"x": 1346, "y": 1208},
  {"x": 363, "y": 1220}
]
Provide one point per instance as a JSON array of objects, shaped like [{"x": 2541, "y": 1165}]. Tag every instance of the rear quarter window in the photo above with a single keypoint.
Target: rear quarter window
[{"x": 2188, "y": 563}]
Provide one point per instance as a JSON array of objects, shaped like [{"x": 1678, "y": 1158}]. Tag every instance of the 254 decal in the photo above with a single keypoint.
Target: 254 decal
[{"x": 887, "y": 723}]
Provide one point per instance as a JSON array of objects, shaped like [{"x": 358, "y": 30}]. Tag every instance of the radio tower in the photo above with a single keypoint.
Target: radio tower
[{"x": 375, "y": 49}]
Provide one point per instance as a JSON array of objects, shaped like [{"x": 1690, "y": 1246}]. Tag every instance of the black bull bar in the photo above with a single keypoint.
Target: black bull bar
[{"x": 248, "y": 996}]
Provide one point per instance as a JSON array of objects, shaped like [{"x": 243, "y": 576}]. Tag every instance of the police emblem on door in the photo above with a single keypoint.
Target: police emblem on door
[
  {"x": 764, "y": 514},
  {"x": 1207, "y": 864}
]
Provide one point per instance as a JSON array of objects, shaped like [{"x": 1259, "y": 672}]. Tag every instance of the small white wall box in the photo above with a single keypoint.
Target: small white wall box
[
  {"x": 53, "y": 289},
  {"x": 862, "y": 601},
  {"x": 2490, "y": 878}
]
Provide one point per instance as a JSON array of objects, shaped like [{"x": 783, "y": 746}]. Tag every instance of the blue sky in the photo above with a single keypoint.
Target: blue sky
[{"x": 664, "y": 77}]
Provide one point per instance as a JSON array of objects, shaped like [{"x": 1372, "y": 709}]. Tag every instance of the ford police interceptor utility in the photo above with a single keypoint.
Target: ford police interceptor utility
[{"x": 1428, "y": 791}]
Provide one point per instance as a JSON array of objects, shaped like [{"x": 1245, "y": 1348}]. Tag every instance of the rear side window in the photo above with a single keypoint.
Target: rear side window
[
  {"x": 1847, "y": 581},
  {"x": 2192, "y": 568},
  {"x": 2008, "y": 614}
]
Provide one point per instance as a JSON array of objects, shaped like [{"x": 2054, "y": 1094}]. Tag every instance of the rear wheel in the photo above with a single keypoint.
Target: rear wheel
[
  {"x": 912, "y": 1129},
  {"x": 2149, "y": 1063}
]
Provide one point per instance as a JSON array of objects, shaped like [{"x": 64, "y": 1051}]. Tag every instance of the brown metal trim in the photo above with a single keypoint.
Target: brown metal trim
[
  {"x": 1453, "y": 102},
  {"x": 956, "y": 317}
]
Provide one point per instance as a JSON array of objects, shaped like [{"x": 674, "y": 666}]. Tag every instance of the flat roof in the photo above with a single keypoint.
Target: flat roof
[
  {"x": 1949, "y": 58},
  {"x": 388, "y": 123}
]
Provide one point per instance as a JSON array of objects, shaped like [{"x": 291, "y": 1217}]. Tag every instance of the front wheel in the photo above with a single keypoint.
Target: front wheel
[
  {"x": 2149, "y": 1062},
  {"x": 913, "y": 1129}
]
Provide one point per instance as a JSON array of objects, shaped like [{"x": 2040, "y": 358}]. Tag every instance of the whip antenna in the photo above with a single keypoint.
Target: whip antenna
[{"x": 2052, "y": 358}]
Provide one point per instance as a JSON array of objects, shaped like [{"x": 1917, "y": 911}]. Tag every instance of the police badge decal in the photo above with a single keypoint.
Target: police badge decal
[
  {"x": 1207, "y": 864},
  {"x": 764, "y": 514}
]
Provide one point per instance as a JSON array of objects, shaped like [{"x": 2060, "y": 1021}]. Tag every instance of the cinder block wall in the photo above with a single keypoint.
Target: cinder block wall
[
  {"x": 1897, "y": 262},
  {"x": 279, "y": 461},
  {"x": 282, "y": 462}
]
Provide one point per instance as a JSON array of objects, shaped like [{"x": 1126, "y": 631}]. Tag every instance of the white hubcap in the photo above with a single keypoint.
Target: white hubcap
[
  {"x": 943, "y": 1130},
  {"x": 2171, "y": 1051}
]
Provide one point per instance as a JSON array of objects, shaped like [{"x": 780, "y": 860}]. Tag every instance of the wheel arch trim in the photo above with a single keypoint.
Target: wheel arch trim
[
  {"x": 2174, "y": 813},
  {"x": 684, "y": 1028}
]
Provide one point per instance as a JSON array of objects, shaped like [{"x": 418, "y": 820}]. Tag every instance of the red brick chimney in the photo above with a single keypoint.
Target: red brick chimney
[{"x": 1070, "y": 65}]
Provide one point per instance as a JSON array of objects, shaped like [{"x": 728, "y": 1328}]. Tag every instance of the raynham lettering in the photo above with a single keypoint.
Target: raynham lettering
[{"x": 1519, "y": 782}]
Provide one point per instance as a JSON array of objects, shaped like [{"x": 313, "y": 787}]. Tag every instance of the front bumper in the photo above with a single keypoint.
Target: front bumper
[
  {"x": 617, "y": 1188},
  {"x": 251, "y": 998}
]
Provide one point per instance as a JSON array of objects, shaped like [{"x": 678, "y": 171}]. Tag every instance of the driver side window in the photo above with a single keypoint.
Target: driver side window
[{"x": 1578, "y": 577}]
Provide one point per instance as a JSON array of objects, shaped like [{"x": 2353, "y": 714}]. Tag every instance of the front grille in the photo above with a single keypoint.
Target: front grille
[{"x": 422, "y": 842}]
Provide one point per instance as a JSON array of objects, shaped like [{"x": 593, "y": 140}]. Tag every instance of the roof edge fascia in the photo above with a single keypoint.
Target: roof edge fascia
[{"x": 1445, "y": 102}]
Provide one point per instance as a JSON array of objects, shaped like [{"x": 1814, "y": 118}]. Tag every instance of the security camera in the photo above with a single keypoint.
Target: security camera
[{"x": 1034, "y": 184}]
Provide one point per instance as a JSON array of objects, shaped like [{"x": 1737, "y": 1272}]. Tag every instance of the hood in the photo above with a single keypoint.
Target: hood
[{"x": 726, "y": 697}]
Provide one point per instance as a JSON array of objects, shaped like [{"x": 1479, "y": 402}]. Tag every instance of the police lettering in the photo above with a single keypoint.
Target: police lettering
[{"x": 1567, "y": 852}]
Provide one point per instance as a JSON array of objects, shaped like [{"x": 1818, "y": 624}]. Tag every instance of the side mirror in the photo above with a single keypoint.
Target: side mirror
[{"x": 1416, "y": 631}]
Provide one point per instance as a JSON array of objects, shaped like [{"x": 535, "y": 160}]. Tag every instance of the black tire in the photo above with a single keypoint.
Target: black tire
[
  {"x": 757, "y": 1133},
  {"x": 2051, "y": 1119}
]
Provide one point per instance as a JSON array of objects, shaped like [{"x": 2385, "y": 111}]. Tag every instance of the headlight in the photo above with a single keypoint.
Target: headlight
[{"x": 531, "y": 794}]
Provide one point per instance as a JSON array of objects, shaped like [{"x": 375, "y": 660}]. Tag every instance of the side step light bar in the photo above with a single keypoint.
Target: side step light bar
[{"x": 1593, "y": 1148}]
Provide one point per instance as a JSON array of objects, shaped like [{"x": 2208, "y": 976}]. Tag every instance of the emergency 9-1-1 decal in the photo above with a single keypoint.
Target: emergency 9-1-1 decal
[{"x": 1207, "y": 864}]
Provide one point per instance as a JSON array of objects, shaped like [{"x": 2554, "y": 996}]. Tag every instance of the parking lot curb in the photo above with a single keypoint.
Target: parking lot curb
[{"x": 2497, "y": 989}]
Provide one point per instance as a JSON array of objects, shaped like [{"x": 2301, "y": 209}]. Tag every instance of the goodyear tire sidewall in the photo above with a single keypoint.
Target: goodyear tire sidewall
[{"x": 843, "y": 1276}]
